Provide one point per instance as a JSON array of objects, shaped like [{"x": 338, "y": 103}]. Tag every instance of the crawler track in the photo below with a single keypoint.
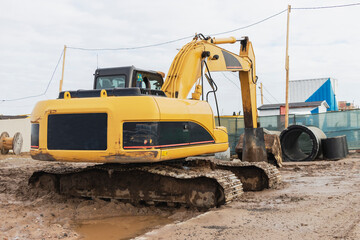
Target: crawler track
[
  {"x": 151, "y": 184},
  {"x": 200, "y": 182},
  {"x": 254, "y": 176}
]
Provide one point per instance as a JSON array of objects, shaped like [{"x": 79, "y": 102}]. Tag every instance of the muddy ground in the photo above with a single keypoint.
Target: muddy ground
[{"x": 319, "y": 200}]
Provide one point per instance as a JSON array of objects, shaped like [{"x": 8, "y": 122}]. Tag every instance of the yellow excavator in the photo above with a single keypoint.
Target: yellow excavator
[{"x": 143, "y": 130}]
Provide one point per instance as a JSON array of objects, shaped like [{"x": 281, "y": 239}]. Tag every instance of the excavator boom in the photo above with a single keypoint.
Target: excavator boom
[{"x": 187, "y": 67}]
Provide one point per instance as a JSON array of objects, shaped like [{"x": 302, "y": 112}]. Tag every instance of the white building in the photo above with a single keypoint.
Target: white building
[{"x": 297, "y": 108}]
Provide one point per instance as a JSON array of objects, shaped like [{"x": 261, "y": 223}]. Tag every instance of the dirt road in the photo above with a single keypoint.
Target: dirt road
[{"x": 316, "y": 201}]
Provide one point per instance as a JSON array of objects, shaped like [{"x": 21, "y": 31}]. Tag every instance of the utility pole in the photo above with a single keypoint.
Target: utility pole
[
  {"x": 287, "y": 70},
  {"x": 62, "y": 74},
  {"x": 262, "y": 95}
]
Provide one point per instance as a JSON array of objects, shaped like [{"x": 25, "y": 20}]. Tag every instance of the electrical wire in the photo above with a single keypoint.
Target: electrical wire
[
  {"x": 22, "y": 106},
  {"x": 267, "y": 99},
  {"x": 326, "y": 7},
  {"x": 38, "y": 95},
  {"x": 270, "y": 94},
  {"x": 214, "y": 34},
  {"x": 130, "y": 48},
  {"x": 176, "y": 40},
  {"x": 263, "y": 87},
  {"x": 277, "y": 101},
  {"x": 250, "y": 25},
  {"x": 259, "y": 94},
  {"x": 230, "y": 80}
]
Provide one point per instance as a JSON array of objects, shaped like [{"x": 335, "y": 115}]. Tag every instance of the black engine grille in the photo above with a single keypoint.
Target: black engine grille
[{"x": 86, "y": 131}]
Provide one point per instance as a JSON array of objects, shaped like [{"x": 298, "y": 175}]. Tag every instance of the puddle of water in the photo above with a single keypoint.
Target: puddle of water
[{"x": 124, "y": 227}]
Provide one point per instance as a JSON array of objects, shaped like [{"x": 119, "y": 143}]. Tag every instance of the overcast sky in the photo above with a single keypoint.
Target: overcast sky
[{"x": 323, "y": 43}]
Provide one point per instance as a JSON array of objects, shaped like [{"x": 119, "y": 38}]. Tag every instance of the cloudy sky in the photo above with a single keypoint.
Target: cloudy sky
[{"x": 323, "y": 43}]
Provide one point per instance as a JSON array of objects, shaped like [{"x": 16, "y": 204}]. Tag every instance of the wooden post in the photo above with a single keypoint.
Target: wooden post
[
  {"x": 62, "y": 74},
  {"x": 287, "y": 70},
  {"x": 262, "y": 95}
]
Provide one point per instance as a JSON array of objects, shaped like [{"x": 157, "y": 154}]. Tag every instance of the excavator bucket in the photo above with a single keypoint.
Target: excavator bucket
[
  {"x": 253, "y": 146},
  {"x": 258, "y": 144}
]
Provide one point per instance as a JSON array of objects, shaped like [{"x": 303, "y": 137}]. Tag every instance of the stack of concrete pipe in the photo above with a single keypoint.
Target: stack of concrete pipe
[{"x": 306, "y": 143}]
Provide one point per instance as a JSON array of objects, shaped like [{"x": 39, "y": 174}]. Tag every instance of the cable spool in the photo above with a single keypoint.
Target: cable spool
[{"x": 7, "y": 143}]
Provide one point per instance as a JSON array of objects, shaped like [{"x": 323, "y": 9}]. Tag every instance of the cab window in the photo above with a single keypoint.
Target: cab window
[
  {"x": 108, "y": 82},
  {"x": 155, "y": 83},
  {"x": 148, "y": 80}
]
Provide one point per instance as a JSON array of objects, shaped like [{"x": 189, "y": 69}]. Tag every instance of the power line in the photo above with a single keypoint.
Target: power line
[
  {"x": 47, "y": 87},
  {"x": 266, "y": 99},
  {"x": 234, "y": 74},
  {"x": 176, "y": 40},
  {"x": 129, "y": 48},
  {"x": 230, "y": 80},
  {"x": 214, "y": 34},
  {"x": 270, "y": 94},
  {"x": 250, "y": 25},
  {"x": 263, "y": 87},
  {"x": 324, "y": 7},
  {"x": 259, "y": 94},
  {"x": 22, "y": 105}
]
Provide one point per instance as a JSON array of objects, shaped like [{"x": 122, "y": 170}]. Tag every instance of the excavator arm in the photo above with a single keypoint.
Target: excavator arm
[{"x": 188, "y": 66}]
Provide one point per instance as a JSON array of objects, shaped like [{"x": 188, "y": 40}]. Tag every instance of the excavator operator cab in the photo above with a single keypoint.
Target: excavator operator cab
[{"x": 127, "y": 77}]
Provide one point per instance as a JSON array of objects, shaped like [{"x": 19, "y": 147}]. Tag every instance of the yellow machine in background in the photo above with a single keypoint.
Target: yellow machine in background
[{"x": 128, "y": 119}]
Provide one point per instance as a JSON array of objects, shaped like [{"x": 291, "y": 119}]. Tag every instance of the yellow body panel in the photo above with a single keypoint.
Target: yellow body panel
[
  {"x": 128, "y": 109},
  {"x": 179, "y": 110}
]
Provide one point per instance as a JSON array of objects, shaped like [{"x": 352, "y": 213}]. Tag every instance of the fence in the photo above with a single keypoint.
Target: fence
[{"x": 331, "y": 123}]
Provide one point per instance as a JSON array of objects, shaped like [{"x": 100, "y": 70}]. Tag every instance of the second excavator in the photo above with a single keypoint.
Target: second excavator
[{"x": 143, "y": 131}]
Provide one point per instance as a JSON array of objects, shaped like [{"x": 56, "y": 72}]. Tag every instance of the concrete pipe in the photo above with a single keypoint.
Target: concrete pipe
[
  {"x": 301, "y": 143},
  {"x": 11, "y": 143},
  {"x": 335, "y": 148}
]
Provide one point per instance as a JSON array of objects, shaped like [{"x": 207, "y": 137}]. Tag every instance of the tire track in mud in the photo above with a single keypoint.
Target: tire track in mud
[
  {"x": 319, "y": 200},
  {"x": 342, "y": 223}
]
